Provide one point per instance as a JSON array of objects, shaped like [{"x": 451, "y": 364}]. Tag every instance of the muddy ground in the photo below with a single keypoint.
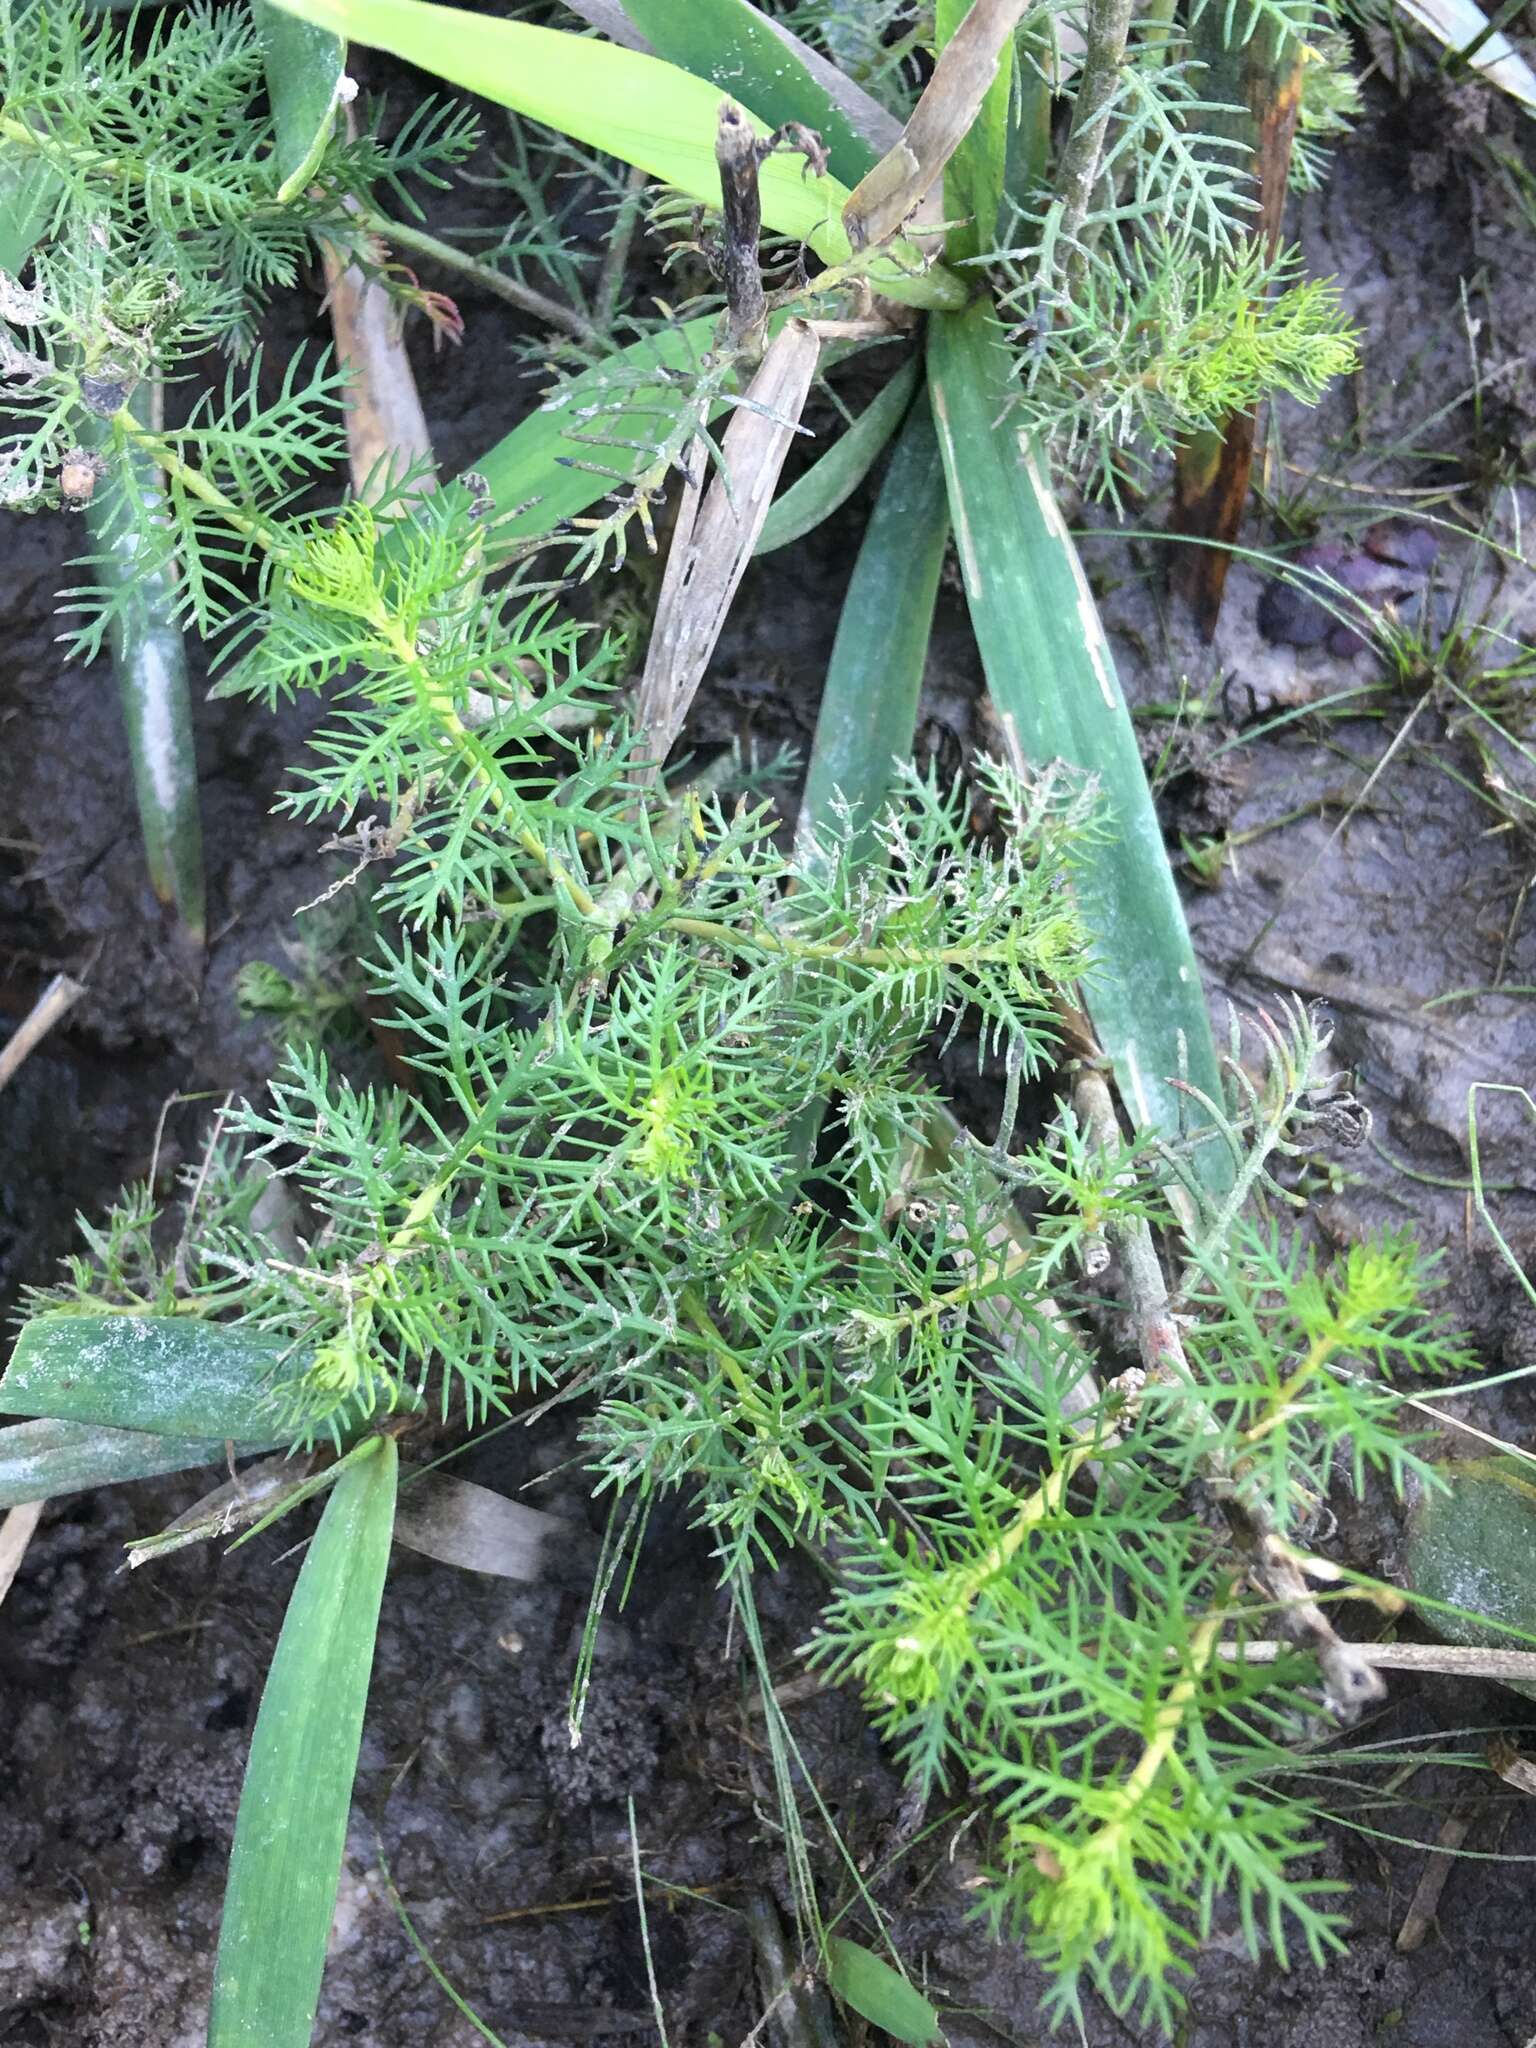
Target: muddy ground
[{"x": 127, "y": 1702}]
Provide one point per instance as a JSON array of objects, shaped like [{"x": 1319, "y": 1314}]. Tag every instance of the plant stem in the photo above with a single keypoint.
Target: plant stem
[
  {"x": 1109, "y": 24},
  {"x": 1350, "y": 1679},
  {"x": 736, "y": 155},
  {"x": 538, "y": 305},
  {"x": 193, "y": 481},
  {"x": 767, "y": 941},
  {"x": 610, "y": 279}
]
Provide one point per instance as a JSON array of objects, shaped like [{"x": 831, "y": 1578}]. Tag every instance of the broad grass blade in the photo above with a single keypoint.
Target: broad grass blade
[
  {"x": 638, "y": 108},
  {"x": 304, "y": 65},
  {"x": 832, "y": 480},
  {"x": 172, "y": 1376},
  {"x": 560, "y": 460},
  {"x": 292, "y": 1825},
  {"x": 1052, "y": 679},
  {"x": 41, "y": 1459},
  {"x": 974, "y": 177},
  {"x": 869, "y": 705},
  {"x": 732, "y": 45},
  {"x": 879, "y": 1994},
  {"x": 1461, "y": 25}
]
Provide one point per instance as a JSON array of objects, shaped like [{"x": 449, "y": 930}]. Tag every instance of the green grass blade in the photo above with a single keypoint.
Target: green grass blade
[
  {"x": 292, "y": 1826},
  {"x": 730, "y": 44},
  {"x": 640, "y": 109},
  {"x": 832, "y": 480},
  {"x": 879, "y": 1994},
  {"x": 304, "y": 65},
  {"x": 1053, "y": 682},
  {"x": 869, "y": 706},
  {"x": 169, "y": 1375},
  {"x": 39, "y": 1460},
  {"x": 541, "y": 474},
  {"x": 149, "y": 660},
  {"x": 560, "y": 460},
  {"x": 867, "y": 719}
]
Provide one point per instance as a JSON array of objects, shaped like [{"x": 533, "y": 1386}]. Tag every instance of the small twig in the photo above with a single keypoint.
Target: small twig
[
  {"x": 1517, "y": 1771},
  {"x": 1453, "y": 1660},
  {"x": 1426, "y": 1895},
  {"x": 797, "y": 2013},
  {"x": 60, "y": 996}
]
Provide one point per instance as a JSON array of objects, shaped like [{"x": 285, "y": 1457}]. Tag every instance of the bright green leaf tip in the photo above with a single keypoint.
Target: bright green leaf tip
[{"x": 647, "y": 112}]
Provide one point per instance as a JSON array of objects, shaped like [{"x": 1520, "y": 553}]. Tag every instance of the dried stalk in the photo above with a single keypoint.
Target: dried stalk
[
  {"x": 716, "y": 533},
  {"x": 737, "y": 155},
  {"x": 884, "y": 200},
  {"x": 59, "y": 996},
  {"x": 386, "y": 427},
  {"x": 1454, "y": 1660}
]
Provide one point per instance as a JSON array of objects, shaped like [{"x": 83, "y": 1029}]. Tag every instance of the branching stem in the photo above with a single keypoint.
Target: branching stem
[
  {"x": 536, "y": 304},
  {"x": 1109, "y": 24}
]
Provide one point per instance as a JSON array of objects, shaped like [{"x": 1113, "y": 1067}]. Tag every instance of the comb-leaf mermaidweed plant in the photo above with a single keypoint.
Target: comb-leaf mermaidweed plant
[{"x": 624, "y": 1007}]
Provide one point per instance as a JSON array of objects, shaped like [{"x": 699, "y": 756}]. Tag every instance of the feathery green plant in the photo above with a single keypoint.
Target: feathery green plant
[{"x": 622, "y": 1003}]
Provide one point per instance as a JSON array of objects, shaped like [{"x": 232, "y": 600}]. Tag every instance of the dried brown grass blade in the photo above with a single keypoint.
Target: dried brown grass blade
[
  {"x": 716, "y": 532},
  {"x": 1425, "y": 1902},
  {"x": 884, "y": 200},
  {"x": 386, "y": 427},
  {"x": 61, "y": 994},
  {"x": 16, "y": 1532},
  {"x": 1516, "y": 1770}
]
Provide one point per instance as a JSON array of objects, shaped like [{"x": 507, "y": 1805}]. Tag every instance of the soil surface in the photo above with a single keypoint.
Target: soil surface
[{"x": 128, "y": 1700}]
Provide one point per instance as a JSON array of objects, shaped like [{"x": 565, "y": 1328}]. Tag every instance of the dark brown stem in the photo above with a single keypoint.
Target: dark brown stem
[{"x": 737, "y": 153}]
